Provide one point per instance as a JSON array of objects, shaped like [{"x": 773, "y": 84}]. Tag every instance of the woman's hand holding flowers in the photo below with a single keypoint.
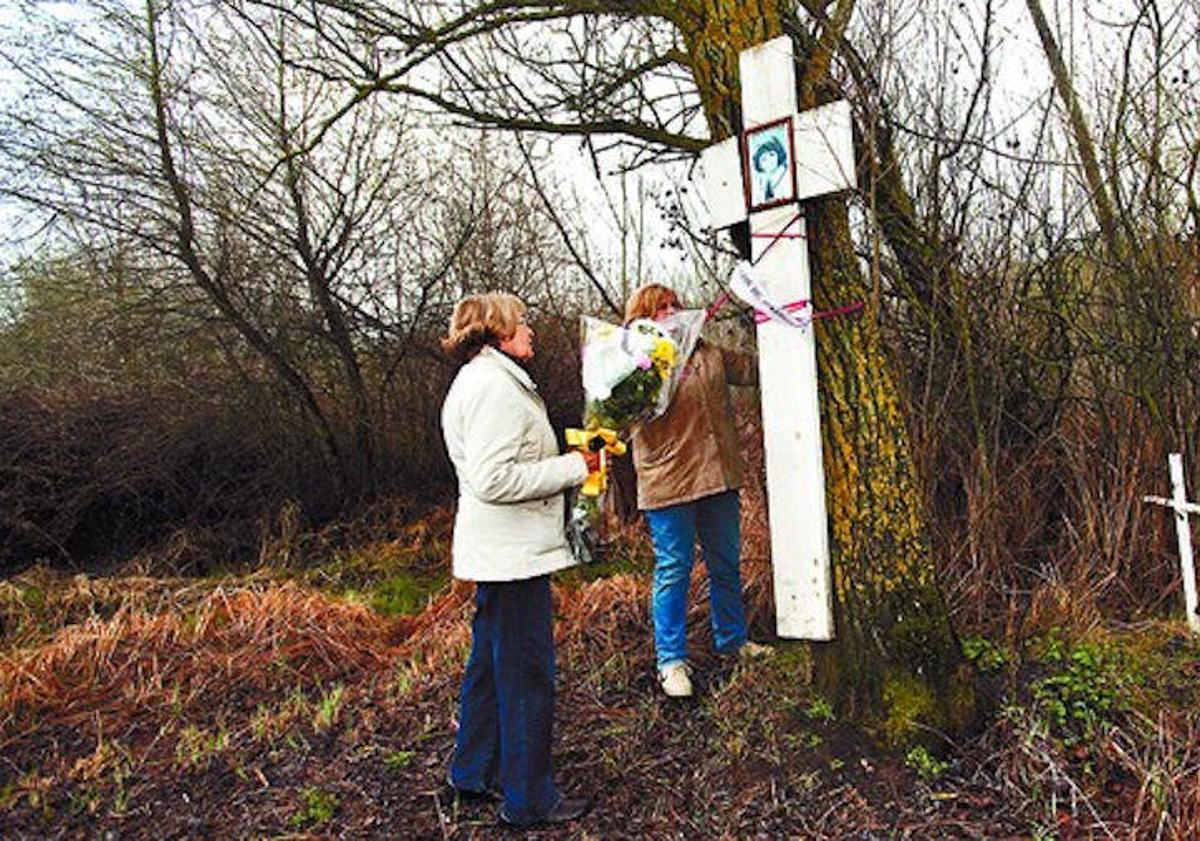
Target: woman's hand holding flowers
[
  {"x": 592, "y": 459},
  {"x": 629, "y": 375}
]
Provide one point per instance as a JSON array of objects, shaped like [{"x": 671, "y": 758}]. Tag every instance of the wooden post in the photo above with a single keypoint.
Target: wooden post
[{"x": 787, "y": 360}]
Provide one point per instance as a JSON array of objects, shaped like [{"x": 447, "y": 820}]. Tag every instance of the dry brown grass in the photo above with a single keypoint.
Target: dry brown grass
[
  {"x": 1055, "y": 533},
  {"x": 226, "y": 669},
  {"x": 390, "y": 524},
  {"x": 212, "y": 661},
  {"x": 1162, "y": 759},
  {"x": 1141, "y": 780},
  {"x": 146, "y": 663},
  {"x": 41, "y": 600}
]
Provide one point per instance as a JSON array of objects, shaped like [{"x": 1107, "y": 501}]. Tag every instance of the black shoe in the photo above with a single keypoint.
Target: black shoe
[
  {"x": 466, "y": 795},
  {"x": 568, "y": 809}
]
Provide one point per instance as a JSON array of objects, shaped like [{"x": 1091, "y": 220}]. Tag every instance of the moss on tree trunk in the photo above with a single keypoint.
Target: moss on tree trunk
[{"x": 896, "y": 661}]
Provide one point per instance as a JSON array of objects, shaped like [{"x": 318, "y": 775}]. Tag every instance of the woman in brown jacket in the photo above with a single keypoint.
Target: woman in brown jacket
[{"x": 689, "y": 469}]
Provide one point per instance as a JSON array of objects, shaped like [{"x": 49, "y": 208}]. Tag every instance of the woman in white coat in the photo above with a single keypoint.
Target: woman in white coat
[{"x": 508, "y": 538}]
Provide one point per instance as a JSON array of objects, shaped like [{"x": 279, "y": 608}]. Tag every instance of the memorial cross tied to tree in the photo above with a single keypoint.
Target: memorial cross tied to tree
[{"x": 818, "y": 148}]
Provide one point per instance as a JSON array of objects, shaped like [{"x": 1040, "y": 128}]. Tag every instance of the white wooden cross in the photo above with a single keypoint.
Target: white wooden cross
[
  {"x": 1183, "y": 530},
  {"x": 823, "y": 161}
]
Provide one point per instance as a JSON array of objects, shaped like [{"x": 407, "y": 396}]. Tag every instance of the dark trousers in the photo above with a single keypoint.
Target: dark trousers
[{"x": 506, "y": 708}]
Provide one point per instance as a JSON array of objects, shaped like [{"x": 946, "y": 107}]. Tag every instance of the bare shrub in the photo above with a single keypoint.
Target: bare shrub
[{"x": 93, "y": 477}]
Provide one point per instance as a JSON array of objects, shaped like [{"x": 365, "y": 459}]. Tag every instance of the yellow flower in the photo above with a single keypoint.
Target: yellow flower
[
  {"x": 666, "y": 349},
  {"x": 663, "y": 356}
]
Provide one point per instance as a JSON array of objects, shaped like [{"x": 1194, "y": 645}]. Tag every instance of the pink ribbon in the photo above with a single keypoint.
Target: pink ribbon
[{"x": 761, "y": 317}]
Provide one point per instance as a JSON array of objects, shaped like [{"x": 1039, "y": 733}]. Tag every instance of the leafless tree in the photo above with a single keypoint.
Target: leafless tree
[{"x": 190, "y": 135}]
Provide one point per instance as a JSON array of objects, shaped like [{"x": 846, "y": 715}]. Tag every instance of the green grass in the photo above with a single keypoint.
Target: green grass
[
  {"x": 393, "y": 581},
  {"x": 316, "y": 807},
  {"x": 404, "y": 593},
  {"x": 397, "y": 760},
  {"x": 329, "y": 708}
]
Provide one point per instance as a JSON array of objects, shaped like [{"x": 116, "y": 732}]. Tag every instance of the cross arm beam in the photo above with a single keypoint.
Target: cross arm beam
[{"x": 1188, "y": 507}]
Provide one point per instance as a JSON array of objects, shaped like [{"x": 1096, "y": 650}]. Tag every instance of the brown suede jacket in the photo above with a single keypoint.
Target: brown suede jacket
[{"x": 692, "y": 451}]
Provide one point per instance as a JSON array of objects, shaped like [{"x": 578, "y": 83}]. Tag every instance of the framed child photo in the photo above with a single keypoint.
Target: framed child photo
[{"x": 770, "y": 165}]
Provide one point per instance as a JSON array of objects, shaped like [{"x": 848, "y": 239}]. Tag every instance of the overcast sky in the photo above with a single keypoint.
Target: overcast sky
[{"x": 1020, "y": 74}]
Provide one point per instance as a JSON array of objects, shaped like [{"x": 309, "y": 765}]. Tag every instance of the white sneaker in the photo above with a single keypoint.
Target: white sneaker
[
  {"x": 754, "y": 651},
  {"x": 675, "y": 680}
]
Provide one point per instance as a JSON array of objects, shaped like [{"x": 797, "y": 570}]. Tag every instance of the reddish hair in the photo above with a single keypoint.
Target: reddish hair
[{"x": 644, "y": 302}]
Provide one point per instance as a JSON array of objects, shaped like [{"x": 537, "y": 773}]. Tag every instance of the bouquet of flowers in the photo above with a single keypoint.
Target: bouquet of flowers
[{"x": 630, "y": 374}]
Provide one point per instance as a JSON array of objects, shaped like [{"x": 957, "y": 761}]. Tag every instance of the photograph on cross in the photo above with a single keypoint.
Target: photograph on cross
[{"x": 770, "y": 170}]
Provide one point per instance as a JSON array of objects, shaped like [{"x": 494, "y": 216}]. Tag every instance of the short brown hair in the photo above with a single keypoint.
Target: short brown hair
[
  {"x": 479, "y": 320},
  {"x": 644, "y": 302}
]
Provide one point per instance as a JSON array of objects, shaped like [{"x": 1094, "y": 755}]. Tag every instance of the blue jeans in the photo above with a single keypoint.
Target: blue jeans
[
  {"x": 506, "y": 707},
  {"x": 673, "y": 530}
]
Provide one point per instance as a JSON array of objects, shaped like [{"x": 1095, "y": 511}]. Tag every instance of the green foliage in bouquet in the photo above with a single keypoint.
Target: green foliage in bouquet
[{"x": 628, "y": 400}]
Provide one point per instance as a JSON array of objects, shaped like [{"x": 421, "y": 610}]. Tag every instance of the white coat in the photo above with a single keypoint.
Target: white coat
[{"x": 511, "y": 478}]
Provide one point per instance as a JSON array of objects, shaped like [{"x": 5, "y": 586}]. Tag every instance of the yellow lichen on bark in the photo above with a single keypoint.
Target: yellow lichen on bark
[
  {"x": 715, "y": 32},
  {"x": 875, "y": 510},
  {"x": 891, "y": 618}
]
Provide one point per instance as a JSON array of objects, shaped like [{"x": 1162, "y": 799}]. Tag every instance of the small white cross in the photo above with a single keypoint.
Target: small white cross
[
  {"x": 734, "y": 180},
  {"x": 1183, "y": 530}
]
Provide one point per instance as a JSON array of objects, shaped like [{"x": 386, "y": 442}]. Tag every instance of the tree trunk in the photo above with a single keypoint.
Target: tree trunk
[
  {"x": 1084, "y": 145},
  {"x": 361, "y": 483},
  {"x": 895, "y": 663},
  {"x": 896, "y": 659}
]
